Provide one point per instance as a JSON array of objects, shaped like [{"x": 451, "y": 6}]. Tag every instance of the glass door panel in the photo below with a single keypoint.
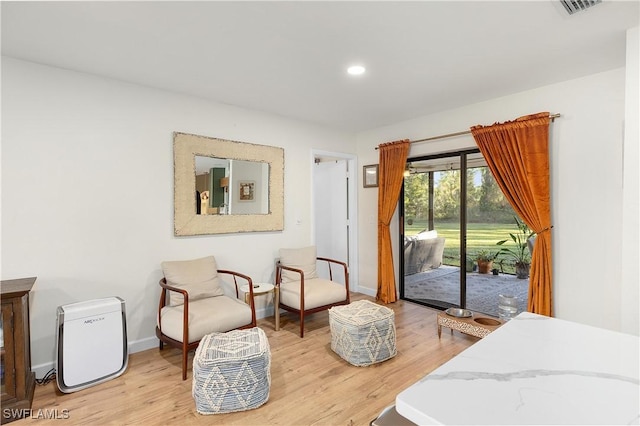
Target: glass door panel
[
  {"x": 7, "y": 364},
  {"x": 490, "y": 219},
  {"x": 431, "y": 232}
]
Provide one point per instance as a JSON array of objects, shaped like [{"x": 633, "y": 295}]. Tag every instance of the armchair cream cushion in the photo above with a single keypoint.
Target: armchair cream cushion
[
  {"x": 317, "y": 292},
  {"x": 199, "y": 277},
  {"x": 230, "y": 313},
  {"x": 299, "y": 258}
]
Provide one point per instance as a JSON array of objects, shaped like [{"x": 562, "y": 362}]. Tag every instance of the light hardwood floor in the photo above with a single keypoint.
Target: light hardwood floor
[{"x": 310, "y": 384}]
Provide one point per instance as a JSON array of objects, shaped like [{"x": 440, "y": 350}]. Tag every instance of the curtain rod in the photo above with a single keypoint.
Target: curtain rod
[{"x": 449, "y": 135}]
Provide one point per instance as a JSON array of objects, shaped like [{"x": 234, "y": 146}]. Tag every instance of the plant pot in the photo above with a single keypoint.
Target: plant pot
[
  {"x": 484, "y": 267},
  {"x": 522, "y": 270}
]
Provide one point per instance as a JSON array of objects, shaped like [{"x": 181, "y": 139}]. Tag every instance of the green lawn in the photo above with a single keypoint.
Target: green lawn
[{"x": 480, "y": 236}]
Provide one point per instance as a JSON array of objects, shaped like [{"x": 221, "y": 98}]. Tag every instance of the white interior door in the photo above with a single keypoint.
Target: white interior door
[{"x": 331, "y": 210}]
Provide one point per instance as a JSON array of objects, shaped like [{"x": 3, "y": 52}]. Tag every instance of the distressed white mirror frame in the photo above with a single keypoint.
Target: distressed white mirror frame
[{"x": 186, "y": 222}]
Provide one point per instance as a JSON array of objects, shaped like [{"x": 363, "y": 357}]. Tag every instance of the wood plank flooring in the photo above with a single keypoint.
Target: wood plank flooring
[{"x": 310, "y": 384}]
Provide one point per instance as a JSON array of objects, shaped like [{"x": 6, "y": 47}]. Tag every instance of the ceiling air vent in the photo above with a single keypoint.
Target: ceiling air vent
[{"x": 573, "y": 6}]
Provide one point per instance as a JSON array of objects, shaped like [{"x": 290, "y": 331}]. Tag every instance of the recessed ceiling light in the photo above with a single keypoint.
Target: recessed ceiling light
[{"x": 356, "y": 70}]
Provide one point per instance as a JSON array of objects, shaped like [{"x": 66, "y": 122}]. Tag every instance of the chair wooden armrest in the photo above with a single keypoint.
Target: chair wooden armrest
[
  {"x": 163, "y": 297},
  {"x": 165, "y": 286},
  {"x": 185, "y": 313},
  {"x": 235, "y": 282},
  {"x": 280, "y": 267},
  {"x": 337, "y": 262}
]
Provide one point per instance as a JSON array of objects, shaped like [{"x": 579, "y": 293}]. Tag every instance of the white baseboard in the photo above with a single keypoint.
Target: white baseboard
[
  {"x": 41, "y": 370},
  {"x": 143, "y": 344},
  {"x": 368, "y": 291}
]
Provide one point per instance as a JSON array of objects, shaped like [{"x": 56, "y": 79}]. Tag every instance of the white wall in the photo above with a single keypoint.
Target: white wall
[
  {"x": 87, "y": 191},
  {"x": 586, "y": 185},
  {"x": 631, "y": 187}
]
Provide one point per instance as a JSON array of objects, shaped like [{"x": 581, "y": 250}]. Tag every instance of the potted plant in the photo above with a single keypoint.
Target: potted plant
[
  {"x": 485, "y": 259},
  {"x": 469, "y": 264},
  {"x": 520, "y": 253}
]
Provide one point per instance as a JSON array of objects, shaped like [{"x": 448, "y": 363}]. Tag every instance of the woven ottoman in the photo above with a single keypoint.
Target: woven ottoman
[
  {"x": 231, "y": 371},
  {"x": 362, "y": 332}
]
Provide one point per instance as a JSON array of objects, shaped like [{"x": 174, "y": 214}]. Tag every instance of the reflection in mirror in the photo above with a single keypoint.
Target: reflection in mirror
[
  {"x": 231, "y": 186},
  {"x": 210, "y": 194},
  {"x": 223, "y": 186}
]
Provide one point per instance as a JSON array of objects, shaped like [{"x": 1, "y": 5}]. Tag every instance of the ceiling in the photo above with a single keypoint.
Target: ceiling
[{"x": 290, "y": 58}]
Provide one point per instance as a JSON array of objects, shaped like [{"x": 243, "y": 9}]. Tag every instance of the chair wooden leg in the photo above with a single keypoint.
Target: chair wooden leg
[
  {"x": 184, "y": 366},
  {"x": 185, "y": 355},
  {"x": 301, "y": 323}
]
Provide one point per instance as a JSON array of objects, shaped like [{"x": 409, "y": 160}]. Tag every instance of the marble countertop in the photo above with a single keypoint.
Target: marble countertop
[{"x": 533, "y": 370}]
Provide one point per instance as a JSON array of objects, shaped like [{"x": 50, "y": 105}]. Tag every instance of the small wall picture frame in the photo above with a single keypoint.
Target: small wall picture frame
[
  {"x": 246, "y": 190},
  {"x": 370, "y": 176}
]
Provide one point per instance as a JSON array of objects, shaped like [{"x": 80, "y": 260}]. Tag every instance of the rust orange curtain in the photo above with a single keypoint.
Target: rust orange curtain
[
  {"x": 517, "y": 153},
  {"x": 393, "y": 157}
]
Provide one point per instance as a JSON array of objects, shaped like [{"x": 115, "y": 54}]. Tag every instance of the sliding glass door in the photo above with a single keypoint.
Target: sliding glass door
[{"x": 453, "y": 215}]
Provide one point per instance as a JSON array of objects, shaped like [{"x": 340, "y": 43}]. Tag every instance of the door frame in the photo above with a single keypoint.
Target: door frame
[{"x": 352, "y": 205}]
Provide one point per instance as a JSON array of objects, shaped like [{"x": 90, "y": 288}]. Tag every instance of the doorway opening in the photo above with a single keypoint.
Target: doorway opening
[{"x": 335, "y": 209}]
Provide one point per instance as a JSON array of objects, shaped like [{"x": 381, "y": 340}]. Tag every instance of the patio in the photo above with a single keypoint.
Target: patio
[{"x": 441, "y": 287}]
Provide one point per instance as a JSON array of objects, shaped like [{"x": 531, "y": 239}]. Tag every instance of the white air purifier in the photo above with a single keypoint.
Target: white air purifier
[{"x": 91, "y": 343}]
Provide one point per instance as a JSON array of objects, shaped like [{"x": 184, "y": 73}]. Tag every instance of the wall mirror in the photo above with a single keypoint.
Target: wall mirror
[{"x": 223, "y": 186}]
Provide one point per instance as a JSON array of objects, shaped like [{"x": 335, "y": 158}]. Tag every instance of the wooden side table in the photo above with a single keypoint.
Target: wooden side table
[
  {"x": 263, "y": 288},
  {"x": 18, "y": 381},
  {"x": 477, "y": 325}
]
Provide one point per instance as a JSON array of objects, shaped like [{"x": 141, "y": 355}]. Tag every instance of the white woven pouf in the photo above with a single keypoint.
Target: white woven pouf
[
  {"x": 231, "y": 371},
  {"x": 362, "y": 332}
]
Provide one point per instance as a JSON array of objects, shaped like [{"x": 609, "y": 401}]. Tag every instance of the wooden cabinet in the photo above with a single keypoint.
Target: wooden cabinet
[{"x": 17, "y": 381}]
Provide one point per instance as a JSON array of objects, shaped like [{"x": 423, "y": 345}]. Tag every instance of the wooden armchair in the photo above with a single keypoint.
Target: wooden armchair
[
  {"x": 302, "y": 291},
  {"x": 193, "y": 304}
]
